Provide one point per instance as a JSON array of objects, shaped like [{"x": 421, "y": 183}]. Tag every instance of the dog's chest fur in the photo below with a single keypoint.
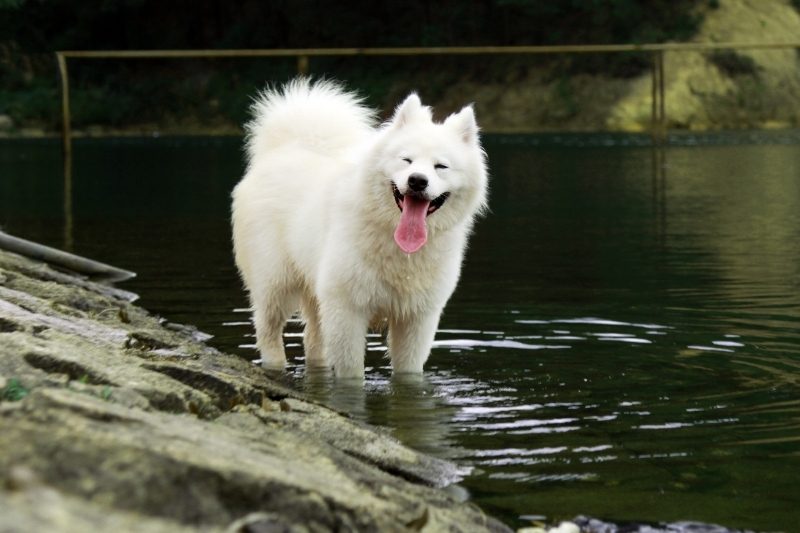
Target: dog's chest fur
[{"x": 410, "y": 283}]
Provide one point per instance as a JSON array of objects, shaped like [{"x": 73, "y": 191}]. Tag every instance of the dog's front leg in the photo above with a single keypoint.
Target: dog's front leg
[
  {"x": 410, "y": 340},
  {"x": 344, "y": 331}
]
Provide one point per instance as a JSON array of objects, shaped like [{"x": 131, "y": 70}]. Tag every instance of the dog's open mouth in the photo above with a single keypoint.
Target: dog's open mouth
[
  {"x": 411, "y": 233},
  {"x": 434, "y": 205}
]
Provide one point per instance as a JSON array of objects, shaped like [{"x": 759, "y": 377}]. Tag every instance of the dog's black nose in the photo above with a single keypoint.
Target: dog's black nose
[{"x": 417, "y": 182}]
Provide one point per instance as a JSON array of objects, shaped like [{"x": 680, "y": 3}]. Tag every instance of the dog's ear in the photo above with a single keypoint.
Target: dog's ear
[
  {"x": 403, "y": 114},
  {"x": 464, "y": 124}
]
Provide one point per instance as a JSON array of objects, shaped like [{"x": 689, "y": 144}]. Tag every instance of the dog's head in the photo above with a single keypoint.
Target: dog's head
[{"x": 434, "y": 173}]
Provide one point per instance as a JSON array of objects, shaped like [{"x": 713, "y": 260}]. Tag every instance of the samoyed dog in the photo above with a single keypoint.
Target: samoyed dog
[{"x": 353, "y": 223}]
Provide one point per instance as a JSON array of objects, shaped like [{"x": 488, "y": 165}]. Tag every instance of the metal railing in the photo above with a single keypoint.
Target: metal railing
[{"x": 303, "y": 56}]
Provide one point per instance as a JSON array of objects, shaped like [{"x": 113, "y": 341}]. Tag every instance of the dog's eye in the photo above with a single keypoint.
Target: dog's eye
[
  {"x": 407, "y": 160},
  {"x": 440, "y": 166}
]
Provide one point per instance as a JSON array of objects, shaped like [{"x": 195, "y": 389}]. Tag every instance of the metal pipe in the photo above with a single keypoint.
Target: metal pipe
[
  {"x": 66, "y": 139},
  {"x": 662, "y": 114},
  {"x": 654, "y": 98},
  {"x": 441, "y": 50},
  {"x": 303, "y": 55},
  {"x": 53, "y": 256},
  {"x": 657, "y": 99},
  {"x": 302, "y": 65},
  {"x": 66, "y": 120}
]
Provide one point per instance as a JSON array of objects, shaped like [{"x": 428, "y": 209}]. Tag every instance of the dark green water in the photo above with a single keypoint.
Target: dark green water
[{"x": 624, "y": 343}]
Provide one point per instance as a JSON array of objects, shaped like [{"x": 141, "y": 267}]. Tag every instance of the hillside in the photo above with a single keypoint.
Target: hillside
[
  {"x": 726, "y": 89},
  {"x": 718, "y": 90}
]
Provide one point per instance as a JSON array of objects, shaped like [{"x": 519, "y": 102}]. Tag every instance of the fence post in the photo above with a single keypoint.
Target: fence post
[
  {"x": 657, "y": 99},
  {"x": 66, "y": 138},
  {"x": 66, "y": 126},
  {"x": 302, "y": 65}
]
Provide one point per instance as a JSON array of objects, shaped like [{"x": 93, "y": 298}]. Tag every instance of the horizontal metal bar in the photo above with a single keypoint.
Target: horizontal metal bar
[{"x": 447, "y": 50}]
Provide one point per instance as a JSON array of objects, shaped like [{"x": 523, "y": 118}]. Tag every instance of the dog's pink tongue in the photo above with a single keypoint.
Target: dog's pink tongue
[{"x": 412, "y": 233}]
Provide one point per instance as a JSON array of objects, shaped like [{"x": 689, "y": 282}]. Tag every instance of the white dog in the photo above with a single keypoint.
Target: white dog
[{"x": 353, "y": 224}]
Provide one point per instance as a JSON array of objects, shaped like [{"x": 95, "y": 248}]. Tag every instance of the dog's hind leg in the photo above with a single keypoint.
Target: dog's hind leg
[
  {"x": 344, "y": 333},
  {"x": 410, "y": 340},
  {"x": 271, "y": 310},
  {"x": 312, "y": 332}
]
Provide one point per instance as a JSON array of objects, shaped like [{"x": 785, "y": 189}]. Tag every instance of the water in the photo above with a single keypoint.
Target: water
[{"x": 624, "y": 342}]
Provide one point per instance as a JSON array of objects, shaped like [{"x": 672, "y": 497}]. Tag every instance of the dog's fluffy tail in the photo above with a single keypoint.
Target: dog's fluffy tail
[{"x": 318, "y": 115}]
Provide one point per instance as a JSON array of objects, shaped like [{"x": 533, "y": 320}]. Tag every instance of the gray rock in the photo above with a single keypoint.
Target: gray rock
[{"x": 119, "y": 423}]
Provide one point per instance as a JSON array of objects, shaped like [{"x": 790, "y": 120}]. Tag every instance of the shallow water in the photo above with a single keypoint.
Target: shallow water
[{"x": 624, "y": 342}]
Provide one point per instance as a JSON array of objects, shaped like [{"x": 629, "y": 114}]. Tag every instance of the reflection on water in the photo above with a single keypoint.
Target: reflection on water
[
  {"x": 624, "y": 342},
  {"x": 410, "y": 405}
]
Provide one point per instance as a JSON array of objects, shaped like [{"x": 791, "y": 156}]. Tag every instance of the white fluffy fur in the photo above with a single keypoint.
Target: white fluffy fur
[{"x": 314, "y": 218}]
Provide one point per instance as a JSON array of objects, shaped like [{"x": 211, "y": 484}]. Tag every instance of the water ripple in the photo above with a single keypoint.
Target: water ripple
[{"x": 502, "y": 343}]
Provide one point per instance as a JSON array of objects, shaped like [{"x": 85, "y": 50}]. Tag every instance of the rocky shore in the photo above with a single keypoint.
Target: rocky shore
[{"x": 112, "y": 419}]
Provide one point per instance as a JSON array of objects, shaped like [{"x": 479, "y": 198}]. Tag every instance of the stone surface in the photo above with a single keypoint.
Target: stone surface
[
  {"x": 708, "y": 90},
  {"x": 727, "y": 89},
  {"x": 120, "y": 422}
]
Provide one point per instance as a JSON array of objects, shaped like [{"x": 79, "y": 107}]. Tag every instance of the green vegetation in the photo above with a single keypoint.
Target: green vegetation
[
  {"x": 216, "y": 93},
  {"x": 14, "y": 391}
]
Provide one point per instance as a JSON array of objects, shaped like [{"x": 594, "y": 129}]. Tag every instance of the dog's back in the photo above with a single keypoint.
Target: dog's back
[{"x": 300, "y": 134}]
